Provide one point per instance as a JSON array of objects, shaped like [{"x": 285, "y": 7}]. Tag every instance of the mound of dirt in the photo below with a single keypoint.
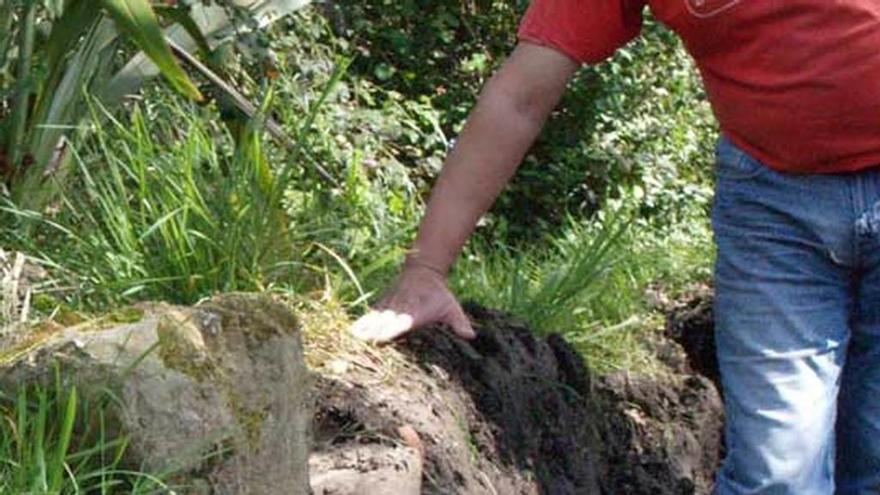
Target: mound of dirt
[
  {"x": 659, "y": 436},
  {"x": 509, "y": 413}
]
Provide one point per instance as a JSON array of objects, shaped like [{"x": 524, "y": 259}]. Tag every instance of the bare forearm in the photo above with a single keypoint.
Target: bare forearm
[
  {"x": 483, "y": 160},
  {"x": 499, "y": 132},
  {"x": 509, "y": 115}
]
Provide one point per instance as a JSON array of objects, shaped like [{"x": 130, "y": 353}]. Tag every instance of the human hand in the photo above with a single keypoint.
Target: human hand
[{"x": 419, "y": 297}]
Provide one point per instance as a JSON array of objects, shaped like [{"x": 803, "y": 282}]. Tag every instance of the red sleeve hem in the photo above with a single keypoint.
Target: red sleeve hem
[
  {"x": 588, "y": 34},
  {"x": 581, "y": 58},
  {"x": 559, "y": 47}
]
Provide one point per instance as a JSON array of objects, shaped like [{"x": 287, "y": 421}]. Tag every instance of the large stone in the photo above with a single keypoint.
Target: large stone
[
  {"x": 367, "y": 470},
  {"x": 218, "y": 392}
]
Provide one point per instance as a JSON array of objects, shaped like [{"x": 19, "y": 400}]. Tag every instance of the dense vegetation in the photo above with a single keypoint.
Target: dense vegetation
[{"x": 169, "y": 197}]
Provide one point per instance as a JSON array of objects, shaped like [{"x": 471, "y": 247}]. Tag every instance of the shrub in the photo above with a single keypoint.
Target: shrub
[{"x": 638, "y": 124}]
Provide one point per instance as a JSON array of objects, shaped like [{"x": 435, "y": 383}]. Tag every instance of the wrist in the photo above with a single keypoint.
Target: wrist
[{"x": 413, "y": 260}]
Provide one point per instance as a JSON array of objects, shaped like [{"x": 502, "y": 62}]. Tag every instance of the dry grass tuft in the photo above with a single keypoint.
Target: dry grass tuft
[
  {"x": 15, "y": 295},
  {"x": 329, "y": 346},
  {"x": 22, "y": 281}
]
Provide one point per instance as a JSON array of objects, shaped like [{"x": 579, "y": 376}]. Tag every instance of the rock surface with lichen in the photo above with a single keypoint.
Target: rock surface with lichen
[{"x": 218, "y": 393}]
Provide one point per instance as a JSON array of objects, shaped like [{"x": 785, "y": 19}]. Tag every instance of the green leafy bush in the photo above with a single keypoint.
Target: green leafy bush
[
  {"x": 49, "y": 53},
  {"x": 174, "y": 203},
  {"x": 637, "y": 125}
]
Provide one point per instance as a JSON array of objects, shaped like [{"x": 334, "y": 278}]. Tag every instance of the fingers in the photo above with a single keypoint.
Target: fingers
[
  {"x": 382, "y": 326},
  {"x": 415, "y": 302},
  {"x": 460, "y": 323}
]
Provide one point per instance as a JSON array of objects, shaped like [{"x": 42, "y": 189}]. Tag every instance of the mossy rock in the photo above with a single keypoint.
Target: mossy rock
[{"x": 225, "y": 376}]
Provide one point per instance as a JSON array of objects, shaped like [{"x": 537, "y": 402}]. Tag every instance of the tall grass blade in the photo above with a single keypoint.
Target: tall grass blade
[
  {"x": 138, "y": 21},
  {"x": 21, "y": 426},
  {"x": 349, "y": 272},
  {"x": 64, "y": 436},
  {"x": 304, "y": 127},
  {"x": 39, "y": 482}
]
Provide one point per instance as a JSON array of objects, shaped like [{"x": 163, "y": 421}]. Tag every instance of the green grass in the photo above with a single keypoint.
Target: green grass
[
  {"x": 167, "y": 205},
  {"x": 172, "y": 203},
  {"x": 52, "y": 441},
  {"x": 169, "y": 201},
  {"x": 590, "y": 282},
  {"x": 547, "y": 282}
]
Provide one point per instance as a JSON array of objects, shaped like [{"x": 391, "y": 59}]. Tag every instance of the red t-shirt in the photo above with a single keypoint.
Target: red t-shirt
[{"x": 794, "y": 82}]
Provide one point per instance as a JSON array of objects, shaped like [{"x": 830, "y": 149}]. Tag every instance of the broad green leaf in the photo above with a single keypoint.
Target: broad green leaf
[
  {"x": 137, "y": 20},
  {"x": 182, "y": 16},
  {"x": 15, "y": 145},
  {"x": 216, "y": 26},
  {"x": 75, "y": 21},
  {"x": 78, "y": 16},
  {"x": 57, "y": 114}
]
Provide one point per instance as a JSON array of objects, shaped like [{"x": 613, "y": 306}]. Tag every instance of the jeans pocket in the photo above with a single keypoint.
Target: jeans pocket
[{"x": 733, "y": 163}]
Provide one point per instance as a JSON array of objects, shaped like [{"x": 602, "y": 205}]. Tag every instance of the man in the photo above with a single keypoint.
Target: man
[{"x": 795, "y": 85}]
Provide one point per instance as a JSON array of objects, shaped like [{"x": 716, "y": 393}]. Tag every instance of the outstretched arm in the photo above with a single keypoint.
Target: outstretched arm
[{"x": 508, "y": 116}]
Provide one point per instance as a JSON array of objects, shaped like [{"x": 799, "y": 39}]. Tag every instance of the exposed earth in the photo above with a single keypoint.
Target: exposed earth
[{"x": 510, "y": 413}]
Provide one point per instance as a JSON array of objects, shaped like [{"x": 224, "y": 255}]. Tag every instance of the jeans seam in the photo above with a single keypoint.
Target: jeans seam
[{"x": 858, "y": 208}]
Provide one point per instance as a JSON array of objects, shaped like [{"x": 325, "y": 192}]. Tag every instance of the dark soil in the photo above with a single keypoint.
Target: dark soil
[
  {"x": 659, "y": 436},
  {"x": 510, "y": 414},
  {"x": 690, "y": 324}
]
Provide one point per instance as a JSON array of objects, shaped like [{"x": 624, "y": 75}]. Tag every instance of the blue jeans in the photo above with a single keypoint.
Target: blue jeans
[{"x": 797, "y": 315}]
